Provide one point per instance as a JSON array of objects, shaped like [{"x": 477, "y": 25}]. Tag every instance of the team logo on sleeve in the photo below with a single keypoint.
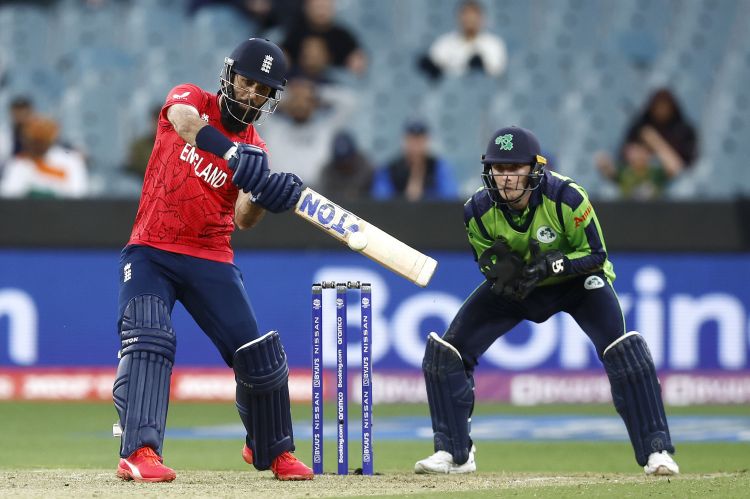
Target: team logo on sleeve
[
  {"x": 181, "y": 96},
  {"x": 545, "y": 234},
  {"x": 593, "y": 282}
]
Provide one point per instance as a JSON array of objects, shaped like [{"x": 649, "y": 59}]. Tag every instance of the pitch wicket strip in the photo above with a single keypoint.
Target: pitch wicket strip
[{"x": 342, "y": 418}]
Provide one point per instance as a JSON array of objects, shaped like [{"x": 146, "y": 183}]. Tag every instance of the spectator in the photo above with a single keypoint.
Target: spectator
[
  {"x": 415, "y": 174},
  {"x": 664, "y": 129},
  {"x": 21, "y": 109},
  {"x": 639, "y": 176},
  {"x": 314, "y": 62},
  {"x": 318, "y": 20},
  {"x": 469, "y": 48},
  {"x": 266, "y": 14},
  {"x": 43, "y": 168},
  {"x": 301, "y": 137},
  {"x": 140, "y": 149},
  {"x": 348, "y": 176}
]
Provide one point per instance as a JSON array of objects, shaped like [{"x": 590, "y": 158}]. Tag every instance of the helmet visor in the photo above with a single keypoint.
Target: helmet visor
[
  {"x": 508, "y": 185},
  {"x": 254, "y": 107}
]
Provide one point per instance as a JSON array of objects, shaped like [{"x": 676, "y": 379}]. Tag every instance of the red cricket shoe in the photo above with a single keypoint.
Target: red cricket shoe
[
  {"x": 144, "y": 465},
  {"x": 247, "y": 454},
  {"x": 288, "y": 467}
]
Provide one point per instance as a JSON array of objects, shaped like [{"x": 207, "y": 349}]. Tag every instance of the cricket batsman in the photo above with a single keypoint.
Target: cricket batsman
[
  {"x": 208, "y": 172},
  {"x": 538, "y": 242}
]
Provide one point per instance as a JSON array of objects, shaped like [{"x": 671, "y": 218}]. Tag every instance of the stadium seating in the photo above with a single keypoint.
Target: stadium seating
[{"x": 577, "y": 71}]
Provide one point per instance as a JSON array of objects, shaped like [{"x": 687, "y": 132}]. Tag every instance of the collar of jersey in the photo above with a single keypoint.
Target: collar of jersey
[{"x": 528, "y": 213}]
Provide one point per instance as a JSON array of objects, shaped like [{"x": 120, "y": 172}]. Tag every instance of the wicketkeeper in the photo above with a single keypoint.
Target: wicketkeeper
[{"x": 541, "y": 249}]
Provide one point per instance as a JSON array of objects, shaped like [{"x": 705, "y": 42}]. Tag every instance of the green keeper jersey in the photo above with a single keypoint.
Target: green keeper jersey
[{"x": 559, "y": 215}]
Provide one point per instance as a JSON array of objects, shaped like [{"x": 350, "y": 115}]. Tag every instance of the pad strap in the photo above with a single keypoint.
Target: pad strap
[
  {"x": 262, "y": 375},
  {"x": 450, "y": 393},
  {"x": 637, "y": 395},
  {"x": 141, "y": 388}
]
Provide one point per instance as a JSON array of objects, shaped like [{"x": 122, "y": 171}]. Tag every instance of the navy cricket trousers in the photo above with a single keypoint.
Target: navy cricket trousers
[
  {"x": 484, "y": 316},
  {"x": 212, "y": 292}
]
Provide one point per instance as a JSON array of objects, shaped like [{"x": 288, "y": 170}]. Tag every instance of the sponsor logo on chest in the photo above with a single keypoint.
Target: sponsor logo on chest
[{"x": 205, "y": 170}]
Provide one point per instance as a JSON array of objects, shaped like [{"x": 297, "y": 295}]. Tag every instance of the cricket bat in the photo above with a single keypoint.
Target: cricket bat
[{"x": 364, "y": 237}]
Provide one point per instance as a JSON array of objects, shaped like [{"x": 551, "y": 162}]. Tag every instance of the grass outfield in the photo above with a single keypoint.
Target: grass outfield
[{"x": 61, "y": 449}]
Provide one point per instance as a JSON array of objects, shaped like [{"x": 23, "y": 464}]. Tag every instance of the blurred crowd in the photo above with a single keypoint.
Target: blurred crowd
[{"x": 310, "y": 133}]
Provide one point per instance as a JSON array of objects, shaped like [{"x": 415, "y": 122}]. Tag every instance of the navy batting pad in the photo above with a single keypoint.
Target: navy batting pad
[
  {"x": 637, "y": 395},
  {"x": 262, "y": 375},
  {"x": 450, "y": 392},
  {"x": 141, "y": 388}
]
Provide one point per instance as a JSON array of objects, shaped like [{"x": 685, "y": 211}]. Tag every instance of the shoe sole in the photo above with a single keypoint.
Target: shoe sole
[
  {"x": 426, "y": 471},
  {"x": 128, "y": 476},
  {"x": 286, "y": 478},
  {"x": 663, "y": 471}
]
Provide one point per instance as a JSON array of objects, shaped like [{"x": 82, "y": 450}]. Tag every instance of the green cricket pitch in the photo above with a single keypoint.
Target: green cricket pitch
[{"x": 63, "y": 450}]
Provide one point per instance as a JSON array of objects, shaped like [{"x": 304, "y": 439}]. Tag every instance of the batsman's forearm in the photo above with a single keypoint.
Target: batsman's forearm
[
  {"x": 186, "y": 122},
  {"x": 246, "y": 213}
]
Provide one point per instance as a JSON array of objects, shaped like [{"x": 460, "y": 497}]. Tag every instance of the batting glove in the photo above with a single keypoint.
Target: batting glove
[
  {"x": 281, "y": 192},
  {"x": 250, "y": 165}
]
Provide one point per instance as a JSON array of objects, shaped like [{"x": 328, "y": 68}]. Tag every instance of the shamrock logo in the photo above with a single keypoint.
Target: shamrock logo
[{"x": 505, "y": 142}]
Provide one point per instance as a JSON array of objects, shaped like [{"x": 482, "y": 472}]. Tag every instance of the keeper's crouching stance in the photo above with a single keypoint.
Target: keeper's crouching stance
[{"x": 539, "y": 245}]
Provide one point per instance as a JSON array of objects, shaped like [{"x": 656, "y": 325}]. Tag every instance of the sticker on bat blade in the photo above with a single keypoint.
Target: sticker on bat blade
[{"x": 328, "y": 215}]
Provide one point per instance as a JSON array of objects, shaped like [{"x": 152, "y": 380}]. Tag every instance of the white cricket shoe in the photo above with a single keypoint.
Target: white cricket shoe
[
  {"x": 441, "y": 462},
  {"x": 661, "y": 463}
]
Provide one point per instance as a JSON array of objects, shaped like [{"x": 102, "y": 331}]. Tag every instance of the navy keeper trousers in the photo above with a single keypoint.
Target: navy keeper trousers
[{"x": 484, "y": 316}]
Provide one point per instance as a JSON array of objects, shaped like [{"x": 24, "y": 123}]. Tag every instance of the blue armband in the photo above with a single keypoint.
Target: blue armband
[{"x": 212, "y": 140}]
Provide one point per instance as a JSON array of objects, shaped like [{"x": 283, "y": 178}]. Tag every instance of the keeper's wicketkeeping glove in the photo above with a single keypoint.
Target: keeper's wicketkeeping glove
[
  {"x": 542, "y": 265},
  {"x": 501, "y": 267}
]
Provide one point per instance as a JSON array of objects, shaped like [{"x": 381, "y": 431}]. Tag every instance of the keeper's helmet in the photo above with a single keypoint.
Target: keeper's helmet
[
  {"x": 259, "y": 60},
  {"x": 513, "y": 146}
]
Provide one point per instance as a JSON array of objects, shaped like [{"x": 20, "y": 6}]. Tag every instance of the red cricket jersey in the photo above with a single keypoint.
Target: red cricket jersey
[{"x": 187, "y": 202}]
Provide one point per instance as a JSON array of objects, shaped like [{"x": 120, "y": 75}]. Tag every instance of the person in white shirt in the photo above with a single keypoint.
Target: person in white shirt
[
  {"x": 469, "y": 48},
  {"x": 43, "y": 168},
  {"x": 301, "y": 137}
]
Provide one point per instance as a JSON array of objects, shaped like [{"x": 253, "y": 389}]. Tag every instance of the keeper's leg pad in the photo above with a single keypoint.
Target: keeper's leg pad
[
  {"x": 637, "y": 395},
  {"x": 262, "y": 376},
  {"x": 450, "y": 393},
  {"x": 141, "y": 389}
]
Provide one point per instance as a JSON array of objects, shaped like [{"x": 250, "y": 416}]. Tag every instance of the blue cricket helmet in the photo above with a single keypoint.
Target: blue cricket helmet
[
  {"x": 259, "y": 60},
  {"x": 513, "y": 145}
]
